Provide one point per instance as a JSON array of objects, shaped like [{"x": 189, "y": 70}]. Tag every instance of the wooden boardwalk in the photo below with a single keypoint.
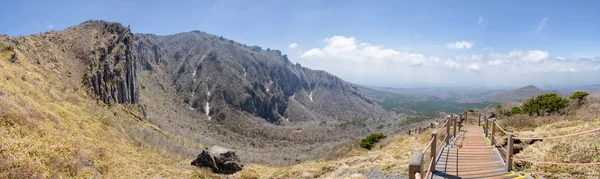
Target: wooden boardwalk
[{"x": 470, "y": 155}]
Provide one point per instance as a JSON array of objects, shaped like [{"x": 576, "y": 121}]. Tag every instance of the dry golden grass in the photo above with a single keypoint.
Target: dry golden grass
[
  {"x": 578, "y": 149},
  {"x": 50, "y": 130},
  {"x": 391, "y": 156}
]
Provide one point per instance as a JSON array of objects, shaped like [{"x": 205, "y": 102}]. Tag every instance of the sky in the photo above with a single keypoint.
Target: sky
[{"x": 397, "y": 43}]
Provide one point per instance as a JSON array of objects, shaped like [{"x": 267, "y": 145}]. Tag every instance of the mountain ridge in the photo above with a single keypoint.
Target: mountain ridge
[{"x": 210, "y": 90}]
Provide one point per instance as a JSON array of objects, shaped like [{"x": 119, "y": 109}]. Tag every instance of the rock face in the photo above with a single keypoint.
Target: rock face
[
  {"x": 14, "y": 58},
  {"x": 220, "y": 160},
  {"x": 112, "y": 68},
  {"x": 214, "y": 74}
]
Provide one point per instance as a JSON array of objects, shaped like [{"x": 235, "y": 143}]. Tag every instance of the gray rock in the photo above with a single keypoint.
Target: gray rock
[
  {"x": 220, "y": 160},
  {"x": 14, "y": 58}
]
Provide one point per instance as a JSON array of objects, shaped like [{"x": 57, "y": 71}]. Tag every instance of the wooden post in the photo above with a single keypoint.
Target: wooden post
[
  {"x": 467, "y": 116},
  {"x": 509, "y": 152},
  {"x": 448, "y": 131},
  {"x": 485, "y": 127},
  {"x": 433, "y": 150},
  {"x": 492, "y": 140},
  {"x": 408, "y": 131},
  {"x": 415, "y": 165},
  {"x": 455, "y": 123},
  {"x": 419, "y": 130},
  {"x": 432, "y": 126},
  {"x": 479, "y": 119}
]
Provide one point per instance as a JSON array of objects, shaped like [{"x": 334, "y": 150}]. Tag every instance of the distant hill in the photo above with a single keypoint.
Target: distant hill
[
  {"x": 518, "y": 95},
  {"x": 589, "y": 89}
]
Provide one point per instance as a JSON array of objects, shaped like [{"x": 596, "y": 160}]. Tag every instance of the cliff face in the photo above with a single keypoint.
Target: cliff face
[
  {"x": 96, "y": 56},
  {"x": 212, "y": 74},
  {"x": 112, "y": 69}
]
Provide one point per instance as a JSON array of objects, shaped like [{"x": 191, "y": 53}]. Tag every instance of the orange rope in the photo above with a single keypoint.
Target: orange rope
[
  {"x": 441, "y": 143},
  {"x": 431, "y": 141},
  {"x": 558, "y": 137},
  {"x": 442, "y": 125},
  {"x": 429, "y": 170},
  {"x": 498, "y": 144},
  {"x": 500, "y": 127},
  {"x": 555, "y": 163}
]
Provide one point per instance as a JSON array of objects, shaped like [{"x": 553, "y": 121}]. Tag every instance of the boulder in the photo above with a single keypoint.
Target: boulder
[
  {"x": 14, "y": 57},
  {"x": 220, "y": 160}
]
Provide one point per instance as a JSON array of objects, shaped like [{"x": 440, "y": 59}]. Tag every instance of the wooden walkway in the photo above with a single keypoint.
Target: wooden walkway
[{"x": 470, "y": 155}]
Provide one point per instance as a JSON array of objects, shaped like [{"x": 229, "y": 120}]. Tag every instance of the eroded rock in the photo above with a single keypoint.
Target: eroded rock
[{"x": 220, "y": 160}]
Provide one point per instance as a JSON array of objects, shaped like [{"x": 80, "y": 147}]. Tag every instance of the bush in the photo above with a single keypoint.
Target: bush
[
  {"x": 518, "y": 122},
  {"x": 515, "y": 110},
  {"x": 369, "y": 141},
  {"x": 579, "y": 96},
  {"x": 545, "y": 104}
]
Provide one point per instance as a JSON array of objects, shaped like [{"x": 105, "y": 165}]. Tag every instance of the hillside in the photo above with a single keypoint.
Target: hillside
[
  {"x": 518, "y": 95},
  {"x": 170, "y": 97}
]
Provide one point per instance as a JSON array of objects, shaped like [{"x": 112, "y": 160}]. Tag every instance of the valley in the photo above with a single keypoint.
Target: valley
[{"x": 100, "y": 100}]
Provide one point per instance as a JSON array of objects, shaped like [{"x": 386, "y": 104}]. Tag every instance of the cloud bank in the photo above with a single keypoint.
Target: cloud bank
[
  {"x": 370, "y": 64},
  {"x": 460, "y": 45}
]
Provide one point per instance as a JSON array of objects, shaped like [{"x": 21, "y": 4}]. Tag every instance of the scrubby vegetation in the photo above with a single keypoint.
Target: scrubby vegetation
[
  {"x": 579, "y": 97},
  {"x": 576, "y": 149},
  {"x": 369, "y": 141},
  {"x": 545, "y": 104}
]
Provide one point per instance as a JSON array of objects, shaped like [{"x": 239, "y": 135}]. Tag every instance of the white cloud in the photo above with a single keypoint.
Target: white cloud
[
  {"x": 460, "y": 45},
  {"x": 495, "y": 62},
  {"x": 480, "y": 21},
  {"x": 451, "y": 64},
  {"x": 531, "y": 55},
  {"x": 536, "y": 55},
  {"x": 541, "y": 25},
  {"x": 350, "y": 49},
  {"x": 49, "y": 25},
  {"x": 473, "y": 66},
  {"x": 369, "y": 64},
  {"x": 293, "y": 45}
]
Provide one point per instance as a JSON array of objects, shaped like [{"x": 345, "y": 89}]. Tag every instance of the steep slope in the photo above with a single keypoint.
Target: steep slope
[
  {"x": 220, "y": 92},
  {"x": 518, "y": 95},
  {"x": 211, "y": 73},
  {"x": 196, "y": 90}
]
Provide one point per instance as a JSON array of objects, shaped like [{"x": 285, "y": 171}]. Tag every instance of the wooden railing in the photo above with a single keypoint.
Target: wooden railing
[
  {"x": 508, "y": 151},
  {"x": 415, "y": 167}
]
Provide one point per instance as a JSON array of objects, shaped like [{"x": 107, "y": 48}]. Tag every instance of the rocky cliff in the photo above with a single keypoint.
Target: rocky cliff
[{"x": 212, "y": 73}]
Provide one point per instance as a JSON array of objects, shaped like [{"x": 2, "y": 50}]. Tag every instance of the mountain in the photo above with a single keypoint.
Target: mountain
[
  {"x": 196, "y": 90},
  {"x": 517, "y": 95}
]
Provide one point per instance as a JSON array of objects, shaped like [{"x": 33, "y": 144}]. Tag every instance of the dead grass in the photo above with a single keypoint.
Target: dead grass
[
  {"x": 47, "y": 130},
  {"x": 579, "y": 149},
  {"x": 392, "y": 157}
]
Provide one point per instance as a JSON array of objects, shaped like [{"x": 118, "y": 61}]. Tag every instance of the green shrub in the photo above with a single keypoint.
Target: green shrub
[
  {"x": 369, "y": 141},
  {"x": 515, "y": 110},
  {"x": 545, "y": 104},
  {"x": 579, "y": 96}
]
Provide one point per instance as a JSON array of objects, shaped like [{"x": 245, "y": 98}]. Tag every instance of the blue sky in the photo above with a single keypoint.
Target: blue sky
[{"x": 384, "y": 43}]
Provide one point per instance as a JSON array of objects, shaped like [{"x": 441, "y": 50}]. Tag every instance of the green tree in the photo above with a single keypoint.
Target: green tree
[
  {"x": 579, "y": 96},
  {"x": 516, "y": 110},
  {"x": 546, "y": 103},
  {"x": 369, "y": 141}
]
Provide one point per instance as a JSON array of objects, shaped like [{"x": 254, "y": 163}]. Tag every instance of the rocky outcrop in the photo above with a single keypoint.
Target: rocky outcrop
[
  {"x": 14, "y": 57},
  {"x": 112, "y": 73},
  {"x": 214, "y": 75},
  {"x": 219, "y": 160}
]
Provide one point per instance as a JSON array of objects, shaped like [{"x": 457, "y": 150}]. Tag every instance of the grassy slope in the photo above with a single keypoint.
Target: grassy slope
[
  {"x": 49, "y": 130},
  {"x": 579, "y": 149}
]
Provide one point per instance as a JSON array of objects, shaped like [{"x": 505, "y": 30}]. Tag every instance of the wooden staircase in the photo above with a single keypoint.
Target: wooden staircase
[{"x": 470, "y": 155}]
